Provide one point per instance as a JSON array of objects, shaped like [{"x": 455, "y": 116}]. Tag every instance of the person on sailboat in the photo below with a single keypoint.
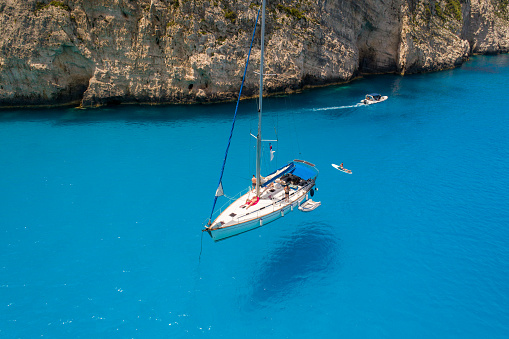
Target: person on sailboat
[
  {"x": 252, "y": 201},
  {"x": 287, "y": 192},
  {"x": 253, "y": 181}
]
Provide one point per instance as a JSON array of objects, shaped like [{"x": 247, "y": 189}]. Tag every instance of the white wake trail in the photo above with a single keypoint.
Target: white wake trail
[{"x": 338, "y": 107}]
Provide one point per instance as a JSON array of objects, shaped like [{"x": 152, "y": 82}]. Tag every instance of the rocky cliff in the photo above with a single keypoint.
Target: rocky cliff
[{"x": 95, "y": 52}]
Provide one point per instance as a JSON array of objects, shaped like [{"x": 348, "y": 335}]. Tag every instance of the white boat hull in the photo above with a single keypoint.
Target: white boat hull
[
  {"x": 230, "y": 231},
  {"x": 227, "y": 232},
  {"x": 371, "y": 102}
]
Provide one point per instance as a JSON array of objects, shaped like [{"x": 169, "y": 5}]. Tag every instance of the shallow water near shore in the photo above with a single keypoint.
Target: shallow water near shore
[{"x": 101, "y": 215}]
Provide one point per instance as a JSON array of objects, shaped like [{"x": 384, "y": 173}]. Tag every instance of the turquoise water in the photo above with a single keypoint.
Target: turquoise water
[{"x": 101, "y": 214}]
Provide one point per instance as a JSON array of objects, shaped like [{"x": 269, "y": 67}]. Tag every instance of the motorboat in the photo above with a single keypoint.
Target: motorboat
[{"x": 374, "y": 98}]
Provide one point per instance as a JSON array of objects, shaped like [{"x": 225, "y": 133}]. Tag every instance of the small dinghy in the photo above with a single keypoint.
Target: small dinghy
[
  {"x": 309, "y": 205},
  {"x": 373, "y": 98}
]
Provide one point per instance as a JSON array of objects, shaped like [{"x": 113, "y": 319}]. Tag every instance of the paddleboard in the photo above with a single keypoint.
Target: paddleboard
[{"x": 344, "y": 170}]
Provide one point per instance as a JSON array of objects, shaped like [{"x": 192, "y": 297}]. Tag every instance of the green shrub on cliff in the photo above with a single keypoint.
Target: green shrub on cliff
[
  {"x": 502, "y": 11},
  {"x": 39, "y": 6},
  {"x": 453, "y": 8},
  {"x": 438, "y": 10},
  {"x": 58, "y": 4},
  {"x": 427, "y": 11},
  {"x": 291, "y": 11},
  {"x": 230, "y": 15}
]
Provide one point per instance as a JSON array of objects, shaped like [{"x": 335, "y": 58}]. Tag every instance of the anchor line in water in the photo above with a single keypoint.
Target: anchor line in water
[{"x": 201, "y": 248}]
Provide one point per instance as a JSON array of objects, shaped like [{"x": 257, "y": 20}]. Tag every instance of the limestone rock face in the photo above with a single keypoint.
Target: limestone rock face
[{"x": 96, "y": 52}]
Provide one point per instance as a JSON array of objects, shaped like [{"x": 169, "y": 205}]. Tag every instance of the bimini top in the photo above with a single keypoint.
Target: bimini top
[
  {"x": 305, "y": 170},
  {"x": 300, "y": 168}
]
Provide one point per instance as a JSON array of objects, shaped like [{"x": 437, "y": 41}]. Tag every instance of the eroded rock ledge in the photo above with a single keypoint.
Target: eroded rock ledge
[{"x": 96, "y": 52}]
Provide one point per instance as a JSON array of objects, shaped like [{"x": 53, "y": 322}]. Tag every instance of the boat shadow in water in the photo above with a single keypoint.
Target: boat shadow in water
[{"x": 309, "y": 254}]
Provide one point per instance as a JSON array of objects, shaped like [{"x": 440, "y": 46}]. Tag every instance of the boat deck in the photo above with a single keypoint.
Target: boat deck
[{"x": 271, "y": 199}]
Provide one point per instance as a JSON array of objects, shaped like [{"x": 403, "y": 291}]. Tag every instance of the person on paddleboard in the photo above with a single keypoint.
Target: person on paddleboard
[{"x": 344, "y": 169}]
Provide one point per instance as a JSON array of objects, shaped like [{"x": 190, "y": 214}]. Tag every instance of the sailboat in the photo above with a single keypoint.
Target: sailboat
[{"x": 270, "y": 197}]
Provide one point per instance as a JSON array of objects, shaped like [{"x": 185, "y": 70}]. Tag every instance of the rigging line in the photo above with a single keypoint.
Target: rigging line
[
  {"x": 276, "y": 128},
  {"x": 249, "y": 156},
  {"x": 243, "y": 177},
  {"x": 296, "y": 133},
  {"x": 235, "y": 116},
  {"x": 251, "y": 145}
]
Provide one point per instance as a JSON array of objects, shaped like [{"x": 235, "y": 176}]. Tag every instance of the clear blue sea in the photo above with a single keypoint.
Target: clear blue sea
[{"x": 101, "y": 213}]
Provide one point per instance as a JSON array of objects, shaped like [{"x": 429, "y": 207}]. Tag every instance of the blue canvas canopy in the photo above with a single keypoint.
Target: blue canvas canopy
[
  {"x": 299, "y": 168},
  {"x": 304, "y": 172}
]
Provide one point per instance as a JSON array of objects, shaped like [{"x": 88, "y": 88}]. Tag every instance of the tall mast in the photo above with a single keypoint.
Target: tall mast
[{"x": 259, "y": 136}]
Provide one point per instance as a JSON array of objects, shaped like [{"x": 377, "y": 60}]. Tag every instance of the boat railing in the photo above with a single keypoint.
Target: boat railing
[
  {"x": 229, "y": 202},
  {"x": 276, "y": 204},
  {"x": 304, "y": 162}
]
